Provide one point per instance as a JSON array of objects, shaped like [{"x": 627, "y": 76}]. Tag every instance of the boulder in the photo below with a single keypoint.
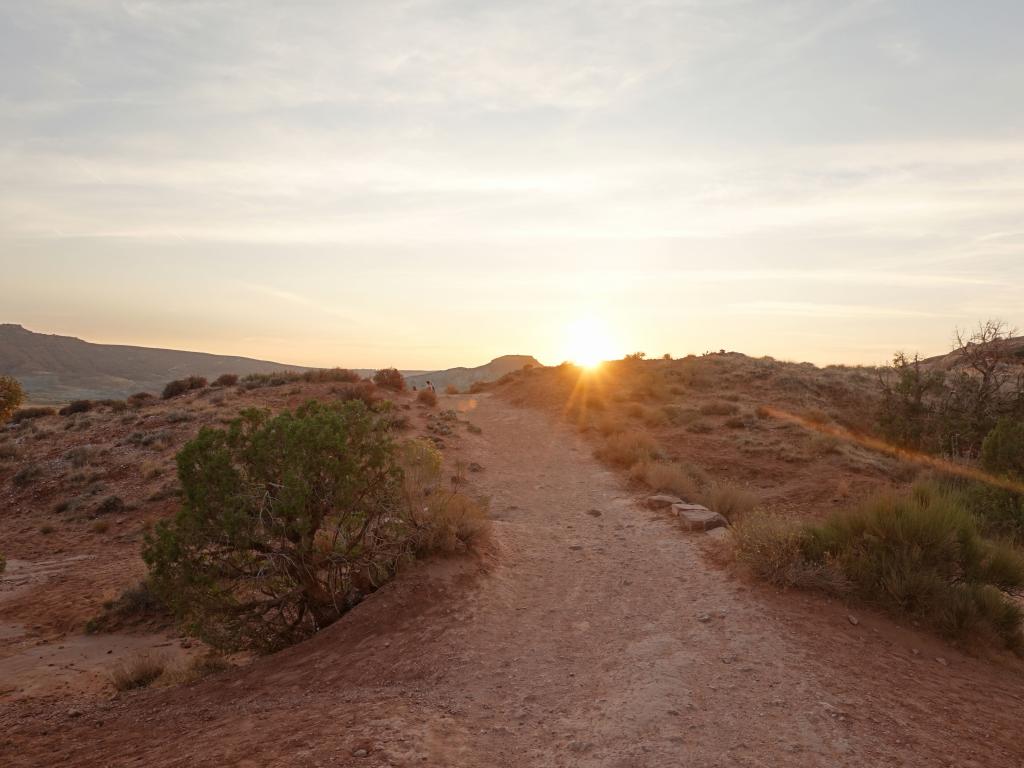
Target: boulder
[
  {"x": 662, "y": 501},
  {"x": 694, "y": 517}
]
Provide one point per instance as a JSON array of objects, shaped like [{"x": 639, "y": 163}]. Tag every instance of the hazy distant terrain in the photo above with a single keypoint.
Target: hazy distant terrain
[
  {"x": 55, "y": 369},
  {"x": 59, "y": 368},
  {"x": 462, "y": 378}
]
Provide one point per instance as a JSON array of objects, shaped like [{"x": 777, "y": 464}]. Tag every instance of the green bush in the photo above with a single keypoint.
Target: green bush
[
  {"x": 11, "y": 396},
  {"x": 919, "y": 554},
  {"x": 287, "y": 522},
  {"x": 1002, "y": 452}
]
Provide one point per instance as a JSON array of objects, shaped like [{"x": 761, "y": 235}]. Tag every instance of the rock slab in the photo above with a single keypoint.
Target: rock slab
[
  {"x": 662, "y": 501},
  {"x": 694, "y": 517}
]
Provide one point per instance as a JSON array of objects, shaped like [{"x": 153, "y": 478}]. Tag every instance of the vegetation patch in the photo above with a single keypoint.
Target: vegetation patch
[
  {"x": 919, "y": 554},
  {"x": 290, "y": 520}
]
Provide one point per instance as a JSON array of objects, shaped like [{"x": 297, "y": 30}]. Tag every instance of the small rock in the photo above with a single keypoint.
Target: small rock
[
  {"x": 853, "y": 620},
  {"x": 704, "y": 618},
  {"x": 594, "y": 512},
  {"x": 697, "y": 518},
  {"x": 360, "y": 753},
  {"x": 662, "y": 501},
  {"x": 942, "y": 661},
  {"x": 474, "y": 467}
]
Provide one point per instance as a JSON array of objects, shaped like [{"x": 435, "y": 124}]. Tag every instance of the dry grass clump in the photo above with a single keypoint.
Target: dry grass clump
[
  {"x": 362, "y": 390},
  {"x": 730, "y": 501},
  {"x": 451, "y": 389},
  {"x": 668, "y": 478},
  {"x": 226, "y": 380},
  {"x": 627, "y": 448},
  {"x": 719, "y": 408},
  {"x": 27, "y": 475},
  {"x": 609, "y": 425},
  {"x": 427, "y": 397},
  {"x": 453, "y": 523},
  {"x": 138, "y": 671},
  {"x": 36, "y": 412}
]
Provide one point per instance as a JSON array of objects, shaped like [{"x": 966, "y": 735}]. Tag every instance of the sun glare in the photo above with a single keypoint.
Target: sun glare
[{"x": 589, "y": 343}]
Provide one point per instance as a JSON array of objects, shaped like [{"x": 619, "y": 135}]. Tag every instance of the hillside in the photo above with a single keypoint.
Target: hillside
[
  {"x": 463, "y": 378},
  {"x": 594, "y": 632},
  {"x": 60, "y": 368}
]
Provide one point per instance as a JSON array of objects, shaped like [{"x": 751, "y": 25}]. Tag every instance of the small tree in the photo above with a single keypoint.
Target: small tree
[
  {"x": 1003, "y": 449},
  {"x": 389, "y": 378},
  {"x": 909, "y": 395},
  {"x": 287, "y": 522},
  {"x": 11, "y": 396}
]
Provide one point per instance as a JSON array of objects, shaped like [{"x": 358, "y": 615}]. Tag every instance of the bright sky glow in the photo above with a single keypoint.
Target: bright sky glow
[{"x": 426, "y": 183}]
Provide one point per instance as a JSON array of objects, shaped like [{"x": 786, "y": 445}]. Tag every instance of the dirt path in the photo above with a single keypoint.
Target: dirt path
[{"x": 600, "y": 635}]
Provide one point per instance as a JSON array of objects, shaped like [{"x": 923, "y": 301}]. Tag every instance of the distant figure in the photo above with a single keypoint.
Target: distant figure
[{"x": 431, "y": 387}]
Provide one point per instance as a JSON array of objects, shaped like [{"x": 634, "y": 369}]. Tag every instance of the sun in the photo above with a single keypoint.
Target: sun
[{"x": 588, "y": 343}]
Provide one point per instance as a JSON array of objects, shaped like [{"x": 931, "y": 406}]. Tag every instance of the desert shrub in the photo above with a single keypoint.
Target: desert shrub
[
  {"x": 81, "y": 456},
  {"x": 287, "y": 522},
  {"x": 3, "y": 563},
  {"x": 700, "y": 428},
  {"x": 77, "y": 406},
  {"x": 999, "y": 511},
  {"x": 1002, "y": 452},
  {"x": 719, "y": 408},
  {"x": 140, "y": 398},
  {"x": 668, "y": 478},
  {"x": 138, "y": 671},
  {"x": 363, "y": 391},
  {"x": 11, "y": 396},
  {"x": 226, "y": 380},
  {"x": 9, "y": 451},
  {"x": 922, "y": 554},
  {"x": 473, "y": 429},
  {"x": 27, "y": 475},
  {"x": 427, "y": 397},
  {"x": 627, "y": 448},
  {"x": 771, "y": 547},
  {"x": 609, "y": 425},
  {"x": 133, "y": 606},
  {"x": 477, "y": 387},
  {"x": 451, "y": 389},
  {"x": 389, "y": 378},
  {"x": 338, "y": 375},
  {"x": 111, "y": 505},
  {"x": 444, "y": 521},
  {"x": 262, "y": 380},
  {"x": 115, "y": 406},
  {"x": 730, "y": 501},
  {"x": 181, "y": 386},
  {"x": 36, "y": 412}
]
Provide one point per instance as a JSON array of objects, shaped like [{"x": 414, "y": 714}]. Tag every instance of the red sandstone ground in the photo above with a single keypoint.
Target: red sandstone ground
[{"x": 592, "y": 633}]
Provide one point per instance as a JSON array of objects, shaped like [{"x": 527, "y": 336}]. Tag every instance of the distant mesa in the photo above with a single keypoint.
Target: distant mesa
[
  {"x": 463, "y": 378},
  {"x": 57, "y": 369}
]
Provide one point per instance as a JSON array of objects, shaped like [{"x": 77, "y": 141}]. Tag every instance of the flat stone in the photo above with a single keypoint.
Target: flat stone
[
  {"x": 662, "y": 501},
  {"x": 694, "y": 517}
]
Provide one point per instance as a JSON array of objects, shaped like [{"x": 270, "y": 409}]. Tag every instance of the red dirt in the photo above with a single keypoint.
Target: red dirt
[{"x": 595, "y": 634}]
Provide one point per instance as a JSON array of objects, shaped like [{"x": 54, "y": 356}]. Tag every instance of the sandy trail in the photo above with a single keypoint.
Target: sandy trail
[{"x": 599, "y": 636}]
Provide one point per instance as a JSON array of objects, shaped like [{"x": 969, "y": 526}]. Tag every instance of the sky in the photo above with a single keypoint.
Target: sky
[{"x": 431, "y": 183}]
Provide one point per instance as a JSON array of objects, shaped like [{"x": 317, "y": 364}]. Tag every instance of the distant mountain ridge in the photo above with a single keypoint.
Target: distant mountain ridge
[
  {"x": 463, "y": 378},
  {"x": 56, "y": 369}
]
